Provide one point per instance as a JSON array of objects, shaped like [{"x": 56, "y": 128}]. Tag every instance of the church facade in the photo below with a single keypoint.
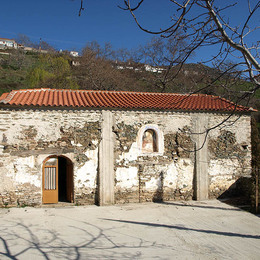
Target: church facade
[{"x": 101, "y": 147}]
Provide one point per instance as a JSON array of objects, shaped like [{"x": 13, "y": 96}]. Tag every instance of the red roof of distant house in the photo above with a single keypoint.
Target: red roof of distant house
[
  {"x": 6, "y": 39},
  {"x": 118, "y": 99}
]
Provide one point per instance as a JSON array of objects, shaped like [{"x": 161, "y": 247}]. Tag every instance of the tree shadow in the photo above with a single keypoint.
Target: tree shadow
[{"x": 95, "y": 243}]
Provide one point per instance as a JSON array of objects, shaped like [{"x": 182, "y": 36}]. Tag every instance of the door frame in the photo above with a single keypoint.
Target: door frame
[{"x": 69, "y": 177}]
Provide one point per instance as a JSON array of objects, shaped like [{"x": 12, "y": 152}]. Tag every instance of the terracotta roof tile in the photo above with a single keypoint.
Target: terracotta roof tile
[
  {"x": 118, "y": 99},
  {"x": 4, "y": 96}
]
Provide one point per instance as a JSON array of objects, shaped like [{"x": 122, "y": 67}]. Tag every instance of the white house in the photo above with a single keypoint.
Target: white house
[
  {"x": 7, "y": 43},
  {"x": 74, "y": 53}
]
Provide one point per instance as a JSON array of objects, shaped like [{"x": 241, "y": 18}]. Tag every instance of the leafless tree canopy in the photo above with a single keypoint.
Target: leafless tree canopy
[
  {"x": 209, "y": 26},
  {"x": 205, "y": 23}
]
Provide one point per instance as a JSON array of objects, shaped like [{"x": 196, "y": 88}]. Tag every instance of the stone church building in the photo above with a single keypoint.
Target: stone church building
[{"x": 106, "y": 147}]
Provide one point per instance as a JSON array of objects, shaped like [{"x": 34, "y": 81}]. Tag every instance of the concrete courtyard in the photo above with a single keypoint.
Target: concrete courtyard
[{"x": 174, "y": 230}]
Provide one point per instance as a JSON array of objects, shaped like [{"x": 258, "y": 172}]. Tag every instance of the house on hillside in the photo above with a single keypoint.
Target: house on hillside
[
  {"x": 7, "y": 43},
  {"x": 74, "y": 53},
  {"x": 106, "y": 147},
  {"x": 153, "y": 69}
]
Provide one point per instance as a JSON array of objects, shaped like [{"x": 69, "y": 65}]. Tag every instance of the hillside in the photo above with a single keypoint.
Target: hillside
[{"x": 19, "y": 70}]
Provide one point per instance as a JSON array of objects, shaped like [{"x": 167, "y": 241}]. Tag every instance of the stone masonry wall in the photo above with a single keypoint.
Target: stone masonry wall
[
  {"x": 229, "y": 154},
  {"x": 28, "y": 137},
  {"x": 167, "y": 176},
  {"x": 171, "y": 175}
]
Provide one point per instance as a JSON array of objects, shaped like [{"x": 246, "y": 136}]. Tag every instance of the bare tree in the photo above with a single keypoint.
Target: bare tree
[
  {"x": 95, "y": 70},
  {"x": 204, "y": 23},
  {"x": 24, "y": 40},
  {"x": 43, "y": 45},
  {"x": 164, "y": 54},
  {"x": 122, "y": 54},
  {"x": 27, "y": 42}
]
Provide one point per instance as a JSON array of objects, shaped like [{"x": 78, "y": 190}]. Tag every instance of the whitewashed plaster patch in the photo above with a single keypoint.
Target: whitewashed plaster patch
[
  {"x": 24, "y": 171},
  {"x": 223, "y": 167},
  {"x": 131, "y": 155},
  {"x": 86, "y": 174},
  {"x": 127, "y": 177}
]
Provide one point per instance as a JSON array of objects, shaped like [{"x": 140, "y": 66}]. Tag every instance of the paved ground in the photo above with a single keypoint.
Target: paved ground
[{"x": 190, "y": 230}]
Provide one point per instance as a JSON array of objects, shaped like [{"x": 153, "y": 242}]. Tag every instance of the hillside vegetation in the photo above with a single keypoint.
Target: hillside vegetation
[{"x": 22, "y": 70}]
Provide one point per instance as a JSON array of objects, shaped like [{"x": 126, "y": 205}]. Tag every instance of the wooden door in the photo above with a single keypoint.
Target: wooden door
[{"x": 50, "y": 181}]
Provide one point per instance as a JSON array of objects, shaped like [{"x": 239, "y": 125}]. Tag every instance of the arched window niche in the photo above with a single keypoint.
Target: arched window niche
[{"x": 150, "y": 140}]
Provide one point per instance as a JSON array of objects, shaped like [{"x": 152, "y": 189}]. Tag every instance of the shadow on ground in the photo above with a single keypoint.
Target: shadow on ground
[
  {"x": 18, "y": 241},
  {"x": 185, "y": 228}
]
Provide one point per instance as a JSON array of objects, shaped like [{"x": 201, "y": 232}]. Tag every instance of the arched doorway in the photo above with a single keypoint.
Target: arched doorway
[{"x": 57, "y": 180}]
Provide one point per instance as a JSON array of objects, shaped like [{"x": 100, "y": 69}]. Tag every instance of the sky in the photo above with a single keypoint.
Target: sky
[{"x": 57, "y": 22}]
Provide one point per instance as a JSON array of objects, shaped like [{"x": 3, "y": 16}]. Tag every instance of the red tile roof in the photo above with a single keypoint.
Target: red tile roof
[
  {"x": 6, "y": 39},
  {"x": 118, "y": 99}
]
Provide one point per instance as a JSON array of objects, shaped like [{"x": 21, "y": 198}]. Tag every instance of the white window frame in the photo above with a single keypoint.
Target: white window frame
[{"x": 159, "y": 139}]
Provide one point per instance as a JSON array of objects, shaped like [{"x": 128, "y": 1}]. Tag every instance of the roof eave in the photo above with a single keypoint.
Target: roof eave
[{"x": 6, "y": 104}]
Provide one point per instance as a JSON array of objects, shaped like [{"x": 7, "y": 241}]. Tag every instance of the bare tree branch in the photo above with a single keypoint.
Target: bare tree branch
[
  {"x": 227, "y": 39},
  {"x": 81, "y": 7}
]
